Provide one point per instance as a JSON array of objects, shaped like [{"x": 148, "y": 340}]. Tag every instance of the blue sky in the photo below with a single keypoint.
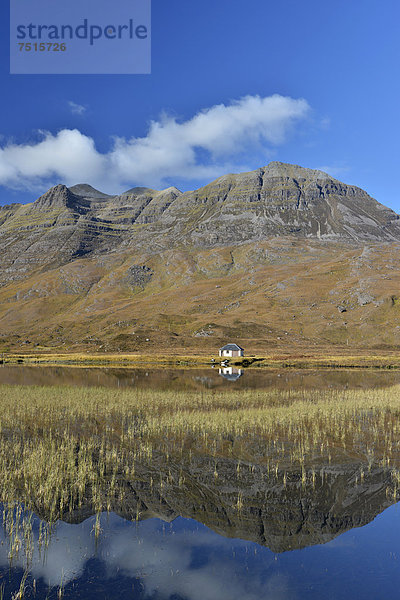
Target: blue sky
[{"x": 234, "y": 84}]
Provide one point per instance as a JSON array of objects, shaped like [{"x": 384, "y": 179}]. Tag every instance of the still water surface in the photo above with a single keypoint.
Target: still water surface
[
  {"x": 186, "y": 560},
  {"x": 336, "y": 538},
  {"x": 192, "y": 379}
]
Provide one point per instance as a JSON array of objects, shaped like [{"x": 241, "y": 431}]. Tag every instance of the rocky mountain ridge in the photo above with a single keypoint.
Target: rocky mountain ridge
[{"x": 276, "y": 200}]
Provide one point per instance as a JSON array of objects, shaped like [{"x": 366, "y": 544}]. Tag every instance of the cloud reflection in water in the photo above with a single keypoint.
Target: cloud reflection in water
[{"x": 183, "y": 559}]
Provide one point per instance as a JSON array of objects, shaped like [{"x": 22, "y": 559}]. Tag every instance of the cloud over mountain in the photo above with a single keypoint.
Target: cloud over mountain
[{"x": 206, "y": 145}]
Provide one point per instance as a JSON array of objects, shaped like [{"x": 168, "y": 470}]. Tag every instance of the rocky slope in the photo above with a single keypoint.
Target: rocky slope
[{"x": 280, "y": 251}]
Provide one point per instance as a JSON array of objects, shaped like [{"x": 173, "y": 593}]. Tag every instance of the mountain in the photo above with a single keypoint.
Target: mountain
[
  {"x": 278, "y": 200},
  {"x": 280, "y": 251}
]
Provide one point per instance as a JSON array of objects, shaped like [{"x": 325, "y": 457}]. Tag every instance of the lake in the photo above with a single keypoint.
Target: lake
[
  {"x": 184, "y": 379},
  {"x": 187, "y": 484}
]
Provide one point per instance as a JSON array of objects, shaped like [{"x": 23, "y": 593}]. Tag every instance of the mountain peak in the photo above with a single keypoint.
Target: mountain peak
[
  {"x": 138, "y": 191},
  {"x": 281, "y": 169},
  {"x": 57, "y": 196},
  {"x": 172, "y": 190},
  {"x": 87, "y": 191}
]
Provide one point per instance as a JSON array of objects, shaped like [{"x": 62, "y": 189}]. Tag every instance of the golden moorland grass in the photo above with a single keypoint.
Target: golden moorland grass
[{"x": 277, "y": 294}]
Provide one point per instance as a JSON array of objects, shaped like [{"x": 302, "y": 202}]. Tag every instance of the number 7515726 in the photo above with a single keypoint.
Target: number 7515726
[{"x": 41, "y": 47}]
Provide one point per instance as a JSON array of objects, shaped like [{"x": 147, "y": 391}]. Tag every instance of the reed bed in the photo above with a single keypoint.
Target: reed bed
[{"x": 62, "y": 448}]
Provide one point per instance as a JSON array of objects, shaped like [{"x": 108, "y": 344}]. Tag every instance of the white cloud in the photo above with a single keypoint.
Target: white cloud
[
  {"x": 207, "y": 145},
  {"x": 76, "y": 109},
  {"x": 67, "y": 155}
]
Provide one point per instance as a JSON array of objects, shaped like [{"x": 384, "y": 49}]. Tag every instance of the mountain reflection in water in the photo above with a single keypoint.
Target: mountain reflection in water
[{"x": 186, "y": 560}]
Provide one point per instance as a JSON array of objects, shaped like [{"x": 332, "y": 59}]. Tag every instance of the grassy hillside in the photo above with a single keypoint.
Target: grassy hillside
[{"x": 280, "y": 294}]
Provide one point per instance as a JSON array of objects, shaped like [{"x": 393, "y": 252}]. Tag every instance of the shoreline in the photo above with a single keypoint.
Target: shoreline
[{"x": 271, "y": 361}]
